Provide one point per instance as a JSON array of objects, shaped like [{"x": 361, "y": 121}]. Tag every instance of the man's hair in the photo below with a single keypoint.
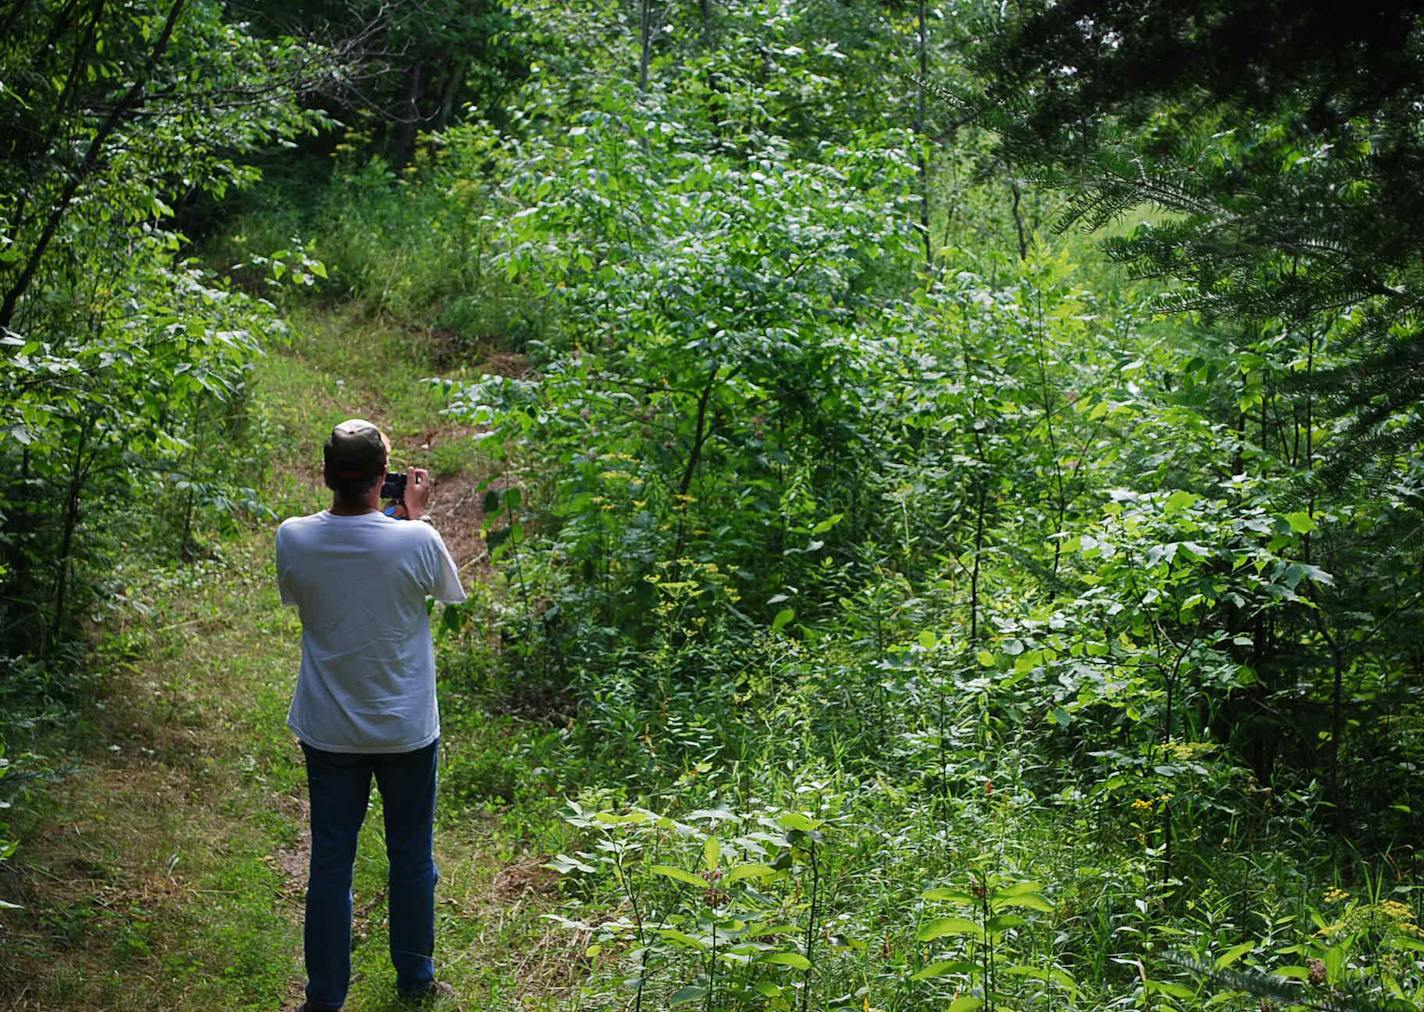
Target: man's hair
[{"x": 352, "y": 492}]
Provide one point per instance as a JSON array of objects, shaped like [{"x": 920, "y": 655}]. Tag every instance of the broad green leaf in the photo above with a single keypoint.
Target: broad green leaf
[
  {"x": 1017, "y": 889},
  {"x": 1300, "y": 522},
  {"x": 681, "y": 938},
  {"x": 1029, "y": 901},
  {"x": 946, "y": 893},
  {"x": 795, "y": 820},
  {"x": 1003, "y": 922},
  {"x": 942, "y": 968},
  {"x": 1178, "y": 501},
  {"x": 966, "y": 1003},
  {"x": 1232, "y": 954},
  {"x": 686, "y": 994},
  {"x": 677, "y": 873},
  {"x": 782, "y": 619},
  {"x": 942, "y": 926},
  {"x": 1170, "y": 988},
  {"x": 712, "y": 852},
  {"x": 1052, "y": 974},
  {"x": 1334, "y": 960},
  {"x": 563, "y": 864},
  {"x": 792, "y": 959},
  {"x": 743, "y": 871}
]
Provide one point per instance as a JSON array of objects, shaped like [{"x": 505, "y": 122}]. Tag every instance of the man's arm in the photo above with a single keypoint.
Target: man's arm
[
  {"x": 282, "y": 587},
  {"x": 444, "y": 583},
  {"x": 417, "y": 493}
]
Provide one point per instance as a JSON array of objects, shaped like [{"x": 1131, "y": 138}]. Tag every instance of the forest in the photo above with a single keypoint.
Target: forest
[{"x": 938, "y": 486}]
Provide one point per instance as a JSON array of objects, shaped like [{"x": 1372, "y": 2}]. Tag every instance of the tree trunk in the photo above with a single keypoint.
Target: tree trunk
[
  {"x": 448, "y": 95},
  {"x": 78, "y": 473},
  {"x": 408, "y": 125},
  {"x": 645, "y": 39},
  {"x": 921, "y": 167}
]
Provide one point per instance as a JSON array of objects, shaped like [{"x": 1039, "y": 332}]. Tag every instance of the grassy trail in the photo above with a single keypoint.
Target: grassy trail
[{"x": 165, "y": 868}]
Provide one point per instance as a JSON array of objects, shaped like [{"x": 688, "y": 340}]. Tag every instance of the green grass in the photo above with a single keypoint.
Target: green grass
[{"x": 164, "y": 867}]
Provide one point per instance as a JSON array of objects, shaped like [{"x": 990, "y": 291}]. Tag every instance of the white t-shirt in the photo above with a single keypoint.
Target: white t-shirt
[{"x": 367, "y": 681}]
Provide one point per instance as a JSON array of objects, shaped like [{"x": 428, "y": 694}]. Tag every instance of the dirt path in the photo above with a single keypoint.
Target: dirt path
[{"x": 164, "y": 866}]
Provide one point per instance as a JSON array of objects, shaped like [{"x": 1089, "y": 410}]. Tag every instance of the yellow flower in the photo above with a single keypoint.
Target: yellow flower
[
  {"x": 1396, "y": 911},
  {"x": 1336, "y": 895}
]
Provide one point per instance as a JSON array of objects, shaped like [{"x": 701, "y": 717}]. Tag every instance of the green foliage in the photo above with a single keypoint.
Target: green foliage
[
  {"x": 124, "y": 364},
  {"x": 986, "y": 551},
  {"x": 916, "y": 624},
  {"x": 1289, "y": 187}
]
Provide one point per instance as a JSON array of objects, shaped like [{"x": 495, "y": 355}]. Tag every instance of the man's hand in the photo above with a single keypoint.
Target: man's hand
[{"x": 417, "y": 492}]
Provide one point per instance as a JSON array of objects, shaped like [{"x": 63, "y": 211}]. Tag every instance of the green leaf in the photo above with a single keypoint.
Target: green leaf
[
  {"x": 926, "y": 639},
  {"x": 795, "y": 820},
  {"x": 669, "y": 871},
  {"x": 942, "y": 968},
  {"x": 946, "y": 893},
  {"x": 682, "y": 938},
  {"x": 1052, "y": 974},
  {"x": 712, "y": 852},
  {"x": 966, "y": 1003},
  {"x": 1017, "y": 889},
  {"x": 792, "y": 959},
  {"x": 1003, "y": 922},
  {"x": 942, "y": 926},
  {"x": 1030, "y": 901},
  {"x": 783, "y": 618},
  {"x": 1169, "y": 988},
  {"x": 563, "y": 864},
  {"x": 1300, "y": 522},
  {"x": 743, "y": 871},
  {"x": 1232, "y": 954},
  {"x": 1178, "y": 501},
  {"x": 1334, "y": 962},
  {"x": 686, "y": 994}
]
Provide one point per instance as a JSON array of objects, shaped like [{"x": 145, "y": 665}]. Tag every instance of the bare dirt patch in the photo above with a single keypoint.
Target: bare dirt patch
[
  {"x": 457, "y": 512},
  {"x": 518, "y": 880},
  {"x": 293, "y": 859}
]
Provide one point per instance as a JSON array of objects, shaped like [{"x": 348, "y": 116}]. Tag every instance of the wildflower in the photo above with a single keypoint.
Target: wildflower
[
  {"x": 1336, "y": 895},
  {"x": 1143, "y": 804},
  {"x": 1396, "y": 911},
  {"x": 1317, "y": 972}
]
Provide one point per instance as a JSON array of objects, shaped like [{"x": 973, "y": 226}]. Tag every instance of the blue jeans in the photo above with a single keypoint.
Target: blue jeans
[{"x": 339, "y": 785}]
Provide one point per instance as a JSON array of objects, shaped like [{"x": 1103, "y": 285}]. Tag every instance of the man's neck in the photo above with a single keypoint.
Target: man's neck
[{"x": 340, "y": 510}]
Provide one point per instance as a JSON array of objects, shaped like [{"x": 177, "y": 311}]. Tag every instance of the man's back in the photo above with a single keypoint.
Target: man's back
[{"x": 367, "y": 681}]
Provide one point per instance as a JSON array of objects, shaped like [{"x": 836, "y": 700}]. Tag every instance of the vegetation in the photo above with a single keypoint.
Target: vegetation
[{"x": 883, "y": 599}]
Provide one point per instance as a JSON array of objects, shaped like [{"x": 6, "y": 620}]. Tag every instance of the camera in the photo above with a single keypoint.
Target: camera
[{"x": 394, "y": 487}]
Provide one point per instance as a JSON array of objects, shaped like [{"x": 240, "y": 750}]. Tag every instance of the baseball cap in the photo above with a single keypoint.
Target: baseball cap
[{"x": 355, "y": 450}]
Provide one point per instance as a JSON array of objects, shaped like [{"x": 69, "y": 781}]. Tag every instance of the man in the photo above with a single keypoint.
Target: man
[{"x": 365, "y": 703}]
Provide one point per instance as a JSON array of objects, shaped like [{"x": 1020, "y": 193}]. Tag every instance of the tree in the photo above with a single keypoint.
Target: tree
[
  {"x": 119, "y": 359},
  {"x": 1279, "y": 145}
]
